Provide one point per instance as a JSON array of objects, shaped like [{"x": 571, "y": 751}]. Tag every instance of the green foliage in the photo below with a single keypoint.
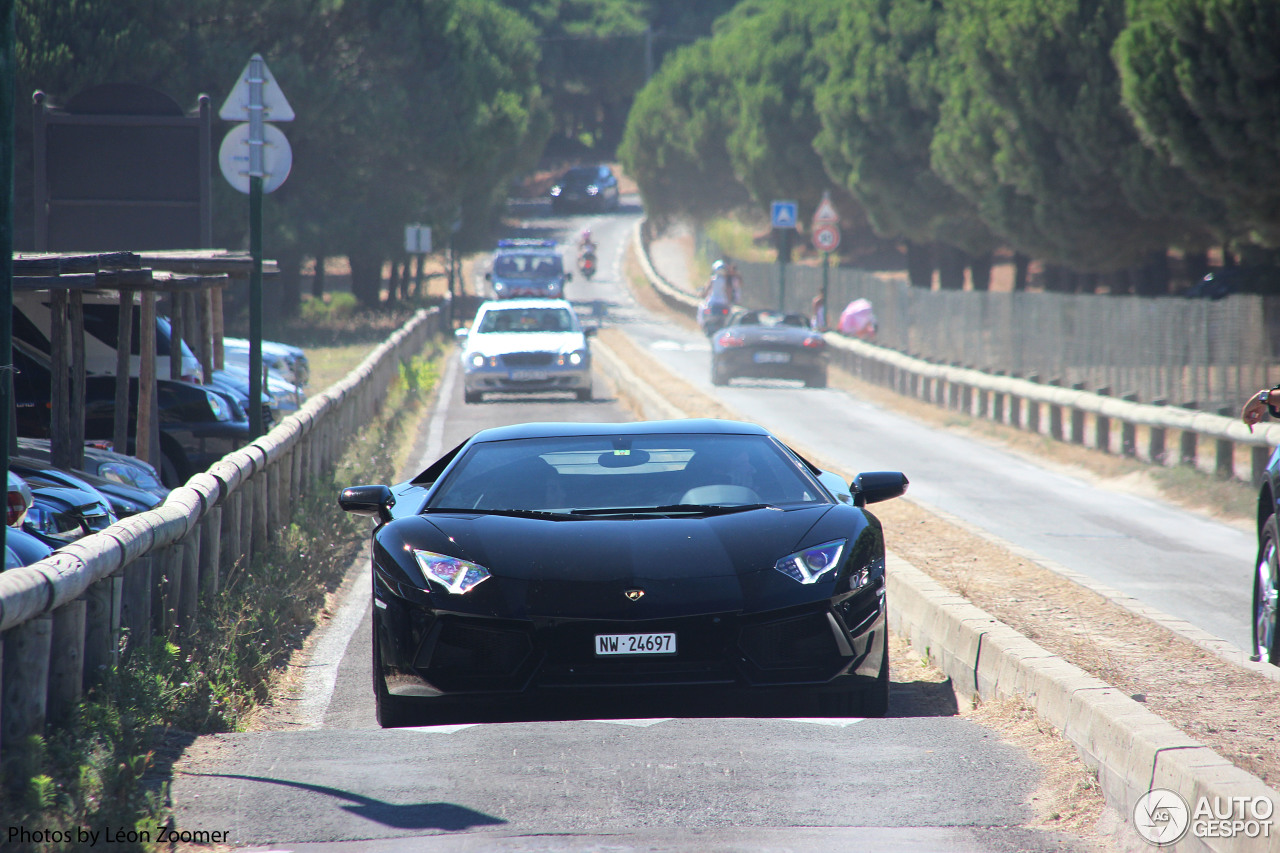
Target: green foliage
[
  {"x": 335, "y": 306},
  {"x": 1202, "y": 80},
  {"x": 878, "y": 107},
  {"x": 674, "y": 144},
  {"x": 1032, "y": 131}
]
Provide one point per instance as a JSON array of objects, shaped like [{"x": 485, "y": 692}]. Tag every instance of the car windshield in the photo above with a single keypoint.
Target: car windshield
[
  {"x": 527, "y": 266},
  {"x": 580, "y": 177},
  {"x": 627, "y": 474},
  {"x": 526, "y": 320}
]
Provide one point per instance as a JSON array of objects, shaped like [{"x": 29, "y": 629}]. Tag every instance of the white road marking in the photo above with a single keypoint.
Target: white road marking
[{"x": 331, "y": 648}]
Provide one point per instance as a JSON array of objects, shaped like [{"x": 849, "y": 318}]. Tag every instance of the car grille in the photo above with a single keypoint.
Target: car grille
[
  {"x": 798, "y": 643},
  {"x": 528, "y": 359}
]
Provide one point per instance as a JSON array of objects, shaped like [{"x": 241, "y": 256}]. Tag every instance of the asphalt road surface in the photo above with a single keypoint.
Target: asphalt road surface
[{"x": 666, "y": 776}]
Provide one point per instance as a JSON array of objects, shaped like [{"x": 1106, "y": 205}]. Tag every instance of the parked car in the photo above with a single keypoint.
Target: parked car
[
  {"x": 198, "y": 425},
  {"x": 1266, "y": 573},
  {"x": 527, "y": 268},
  {"x": 570, "y": 560},
  {"x": 130, "y": 484},
  {"x": 768, "y": 345},
  {"x": 21, "y": 548},
  {"x": 523, "y": 346},
  {"x": 585, "y": 188},
  {"x": 288, "y": 361},
  {"x": 64, "y": 508},
  {"x": 1224, "y": 282}
]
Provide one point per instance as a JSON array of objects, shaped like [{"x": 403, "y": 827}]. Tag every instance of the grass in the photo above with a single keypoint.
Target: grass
[{"x": 105, "y": 770}]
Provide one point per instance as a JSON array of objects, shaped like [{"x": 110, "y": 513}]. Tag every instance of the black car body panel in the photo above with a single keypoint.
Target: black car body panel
[
  {"x": 1266, "y": 574},
  {"x": 556, "y": 580},
  {"x": 767, "y": 345},
  {"x": 586, "y": 188}
]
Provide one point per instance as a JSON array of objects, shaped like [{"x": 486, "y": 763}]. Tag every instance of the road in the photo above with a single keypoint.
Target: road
[{"x": 664, "y": 777}]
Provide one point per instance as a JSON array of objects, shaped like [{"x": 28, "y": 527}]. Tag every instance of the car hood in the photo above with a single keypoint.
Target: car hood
[
  {"x": 581, "y": 569},
  {"x": 497, "y": 343}
]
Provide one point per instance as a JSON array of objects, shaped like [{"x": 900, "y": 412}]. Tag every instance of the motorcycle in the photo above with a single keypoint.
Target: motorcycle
[
  {"x": 712, "y": 317},
  {"x": 587, "y": 262}
]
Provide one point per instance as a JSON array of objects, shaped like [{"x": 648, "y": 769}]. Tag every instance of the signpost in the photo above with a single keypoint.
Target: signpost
[
  {"x": 826, "y": 238},
  {"x": 783, "y": 218},
  {"x": 255, "y": 99}
]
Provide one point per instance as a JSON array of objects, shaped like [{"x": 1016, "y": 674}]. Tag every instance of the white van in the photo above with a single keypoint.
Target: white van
[{"x": 32, "y": 324}]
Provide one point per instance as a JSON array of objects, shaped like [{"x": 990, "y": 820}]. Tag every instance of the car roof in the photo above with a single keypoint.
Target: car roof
[{"x": 552, "y": 429}]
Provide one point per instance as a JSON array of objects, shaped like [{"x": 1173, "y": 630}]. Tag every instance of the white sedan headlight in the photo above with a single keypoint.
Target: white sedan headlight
[
  {"x": 812, "y": 564},
  {"x": 477, "y": 360},
  {"x": 458, "y": 577}
]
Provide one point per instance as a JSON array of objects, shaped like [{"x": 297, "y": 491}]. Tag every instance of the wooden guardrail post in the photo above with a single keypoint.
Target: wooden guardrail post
[
  {"x": 26, "y": 680},
  {"x": 102, "y": 627},
  {"x": 1224, "y": 457},
  {"x": 261, "y": 528},
  {"x": 1032, "y": 408},
  {"x": 189, "y": 588},
  {"x": 1077, "y": 418},
  {"x": 135, "y": 601},
  {"x": 1156, "y": 440},
  {"x": 1055, "y": 414},
  {"x": 1129, "y": 431},
  {"x": 211, "y": 551},
  {"x": 247, "y": 546},
  {"x": 232, "y": 548},
  {"x": 1102, "y": 426},
  {"x": 66, "y": 661},
  {"x": 166, "y": 574}
]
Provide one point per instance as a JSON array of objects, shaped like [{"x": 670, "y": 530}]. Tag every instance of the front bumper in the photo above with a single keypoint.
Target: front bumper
[
  {"x": 763, "y": 364},
  {"x": 530, "y": 376},
  {"x": 428, "y": 653}
]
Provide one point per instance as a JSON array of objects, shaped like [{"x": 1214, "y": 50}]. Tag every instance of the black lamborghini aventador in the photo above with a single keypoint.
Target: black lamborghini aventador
[{"x": 557, "y": 560}]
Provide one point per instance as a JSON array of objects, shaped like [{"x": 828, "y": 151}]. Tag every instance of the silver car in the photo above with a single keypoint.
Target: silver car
[{"x": 525, "y": 346}]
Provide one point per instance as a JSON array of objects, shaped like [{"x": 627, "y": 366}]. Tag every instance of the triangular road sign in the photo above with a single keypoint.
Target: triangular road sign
[
  {"x": 275, "y": 107},
  {"x": 826, "y": 211}
]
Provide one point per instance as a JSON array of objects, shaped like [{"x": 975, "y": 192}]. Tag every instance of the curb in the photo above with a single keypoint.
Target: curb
[{"x": 1133, "y": 750}]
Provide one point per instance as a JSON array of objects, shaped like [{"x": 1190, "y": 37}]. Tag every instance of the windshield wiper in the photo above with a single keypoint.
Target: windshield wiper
[
  {"x": 519, "y": 513},
  {"x": 671, "y": 509}
]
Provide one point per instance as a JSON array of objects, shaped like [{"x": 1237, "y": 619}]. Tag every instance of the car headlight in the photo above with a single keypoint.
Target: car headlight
[
  {"x": 593, "y": 190},
  {"x": 556, "y": 190},
  {"x": 52, "y": 524},
  {"x": 217, "y": 405},
  {"x": 499, "y": 287},
  {"x": 572, "y": 359},
  {"x": 128, "y": 475},
  {"x": 812, "y": 564},
  {"x": 458, "y": 577},
  {"x": 477, "y": 360}
]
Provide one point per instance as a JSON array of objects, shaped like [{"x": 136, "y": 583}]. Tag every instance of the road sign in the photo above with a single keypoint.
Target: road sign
[
  {"x": 826, "y": 211},
  {"x": 826, "y": 237},
  {"x": 783, "y": 214},
  {"x": 417, "y": 239},
  {"x": 275, "y": 107},
  {"x": 234, "y": 155}
]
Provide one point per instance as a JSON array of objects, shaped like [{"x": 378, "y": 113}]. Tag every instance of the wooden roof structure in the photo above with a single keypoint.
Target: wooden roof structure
[{"x": 193, "y": 282}]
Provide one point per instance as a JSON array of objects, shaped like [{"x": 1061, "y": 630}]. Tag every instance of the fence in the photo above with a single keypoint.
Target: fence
[
  {"x": 61, "y": 618},
  {"x": 1159, "y": 434},
  {"x": 1194, "y": 353}
]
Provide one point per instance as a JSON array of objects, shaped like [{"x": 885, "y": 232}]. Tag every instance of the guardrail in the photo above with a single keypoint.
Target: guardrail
[
  {"x": 61, "y": 619},
  {"x": 1212, "y": 443}
]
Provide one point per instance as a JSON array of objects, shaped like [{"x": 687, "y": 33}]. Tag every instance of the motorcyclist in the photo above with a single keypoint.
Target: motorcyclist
[
  {"x": 721, "y": 293},
  {"x": 586, "y": 253}
]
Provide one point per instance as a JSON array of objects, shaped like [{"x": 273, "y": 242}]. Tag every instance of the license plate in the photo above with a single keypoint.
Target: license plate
[
  {"x": 635, "y": 644},
  {"x": 772, "y": 357},
  {"x": 528, "y": 375}
]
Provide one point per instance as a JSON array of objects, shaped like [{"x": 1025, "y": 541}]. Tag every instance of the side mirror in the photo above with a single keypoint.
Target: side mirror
[
  {"x": 875, "y": 486},
  {"x": 488, "y": 276},
  {"x": 568, "y": 276},
  {"x": 368, "y": 500},
  {"x": 589, "y": 330},
  {"x": 460, "y": 334}
]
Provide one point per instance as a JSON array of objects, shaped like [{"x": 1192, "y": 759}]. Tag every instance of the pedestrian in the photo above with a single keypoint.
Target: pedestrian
[{"x": 818, "y": 313}]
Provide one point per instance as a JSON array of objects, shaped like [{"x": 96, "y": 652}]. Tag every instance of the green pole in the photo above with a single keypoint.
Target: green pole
[
  {"x": 826, "y": 263},
  {"x": 255, "y": 307},
  {"x": 6, "y": 245}
]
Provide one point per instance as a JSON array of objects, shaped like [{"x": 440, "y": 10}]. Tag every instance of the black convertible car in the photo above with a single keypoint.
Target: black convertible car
[
  {"x": 543, "y": 560},
  {"x": 768, "y": 345}
]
